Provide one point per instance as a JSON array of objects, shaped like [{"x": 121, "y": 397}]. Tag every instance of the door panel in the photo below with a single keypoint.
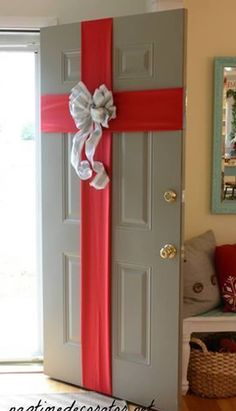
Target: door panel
[
  {"x": 146, "y": 289},
  {"x": 134, "y": 207},
  {"x": 60, "y": 57},
  {"x": 133, "y": 283},
  {"x": 70, "y": 197},
  {"x": 148, "y": 53},
  {"x": 60, "y": 54}
]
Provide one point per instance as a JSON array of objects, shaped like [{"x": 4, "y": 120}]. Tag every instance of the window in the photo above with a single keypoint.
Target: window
[{"x": 20, "y": 273}]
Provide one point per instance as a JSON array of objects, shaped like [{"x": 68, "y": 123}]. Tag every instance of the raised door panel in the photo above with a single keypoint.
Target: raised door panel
[
  {"x": 134, "y": 191},
  {"x": 71, "y": 322},
  {"x": 148, "y": 51},
  {"x": 133, "y": 283},
  {"x": 70, "y": 197}
]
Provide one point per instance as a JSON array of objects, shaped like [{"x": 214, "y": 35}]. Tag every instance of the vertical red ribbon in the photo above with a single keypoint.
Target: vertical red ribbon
[{"x": 95, "y": 225}]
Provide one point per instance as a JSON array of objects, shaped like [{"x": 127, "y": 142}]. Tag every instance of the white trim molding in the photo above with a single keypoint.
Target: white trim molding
[
  {"x": 160, "y": 5},
  {"x": 27, "y": 23}
]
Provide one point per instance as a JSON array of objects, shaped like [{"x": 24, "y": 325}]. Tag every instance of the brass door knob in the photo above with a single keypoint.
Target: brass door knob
[
  {"x": 168, "y": 251},
  {"x": 170, "y": 196}
]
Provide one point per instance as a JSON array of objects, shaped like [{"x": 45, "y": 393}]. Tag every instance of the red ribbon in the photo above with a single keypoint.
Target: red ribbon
[
  {"x": 95, "y": 225},
  {"x": 136, "y": 111}
]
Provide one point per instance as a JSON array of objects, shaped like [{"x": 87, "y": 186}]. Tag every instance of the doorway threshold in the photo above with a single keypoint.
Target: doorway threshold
[{"x": 21, "y": 367}]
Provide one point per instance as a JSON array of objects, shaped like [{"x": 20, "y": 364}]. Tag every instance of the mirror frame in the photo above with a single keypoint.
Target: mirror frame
[{"x": 219, "y": 206}]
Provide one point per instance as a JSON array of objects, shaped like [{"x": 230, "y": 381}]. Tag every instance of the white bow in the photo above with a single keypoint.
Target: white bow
[{"x": 90, "y": 113}]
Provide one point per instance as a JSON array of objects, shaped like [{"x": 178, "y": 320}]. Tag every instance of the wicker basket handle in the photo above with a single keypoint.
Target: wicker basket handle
[{"x": 200, "y": 343}]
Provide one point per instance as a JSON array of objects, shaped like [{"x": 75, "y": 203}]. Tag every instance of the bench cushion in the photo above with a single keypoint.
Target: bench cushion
[{"x": 201, "y": 290}]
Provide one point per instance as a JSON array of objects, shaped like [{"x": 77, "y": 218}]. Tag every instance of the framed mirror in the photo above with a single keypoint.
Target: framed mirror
[{"x": 224, "y": 137}]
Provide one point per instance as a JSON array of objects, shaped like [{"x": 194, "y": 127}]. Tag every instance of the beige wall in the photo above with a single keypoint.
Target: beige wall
[
  {"x": 71, "y": 10},
  {"x": 211, "y": 33}
]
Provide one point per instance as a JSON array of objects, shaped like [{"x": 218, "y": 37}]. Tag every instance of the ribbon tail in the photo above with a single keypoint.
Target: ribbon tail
[
  {"x": 101, "y": 178},
  {"x": 82, "y": 168}
]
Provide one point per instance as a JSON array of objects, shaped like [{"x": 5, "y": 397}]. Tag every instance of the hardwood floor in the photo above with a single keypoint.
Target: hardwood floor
[
  {"x": 193, "y": 403},
  {"x": 35, "y": 383},
  {"x": 32, "y": 383}
]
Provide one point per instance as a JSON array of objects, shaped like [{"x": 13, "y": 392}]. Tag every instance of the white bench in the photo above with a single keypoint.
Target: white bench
[{"x": 212, "y": 321}]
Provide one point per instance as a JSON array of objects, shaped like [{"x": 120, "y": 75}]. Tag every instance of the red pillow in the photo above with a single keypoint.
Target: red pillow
[{"x": 225, "y": 259}]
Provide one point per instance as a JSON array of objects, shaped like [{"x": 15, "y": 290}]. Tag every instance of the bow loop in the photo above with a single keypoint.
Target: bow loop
[{"x": 90, "y": 114}]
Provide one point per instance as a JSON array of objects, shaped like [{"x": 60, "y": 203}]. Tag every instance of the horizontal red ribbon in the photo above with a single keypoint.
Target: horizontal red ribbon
[{"x": 136, "y": 111}]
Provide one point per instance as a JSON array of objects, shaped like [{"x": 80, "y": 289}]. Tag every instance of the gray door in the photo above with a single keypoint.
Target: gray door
[{"x": 148, "y": 53}]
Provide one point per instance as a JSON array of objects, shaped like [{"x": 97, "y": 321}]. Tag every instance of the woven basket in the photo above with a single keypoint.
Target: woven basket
[{"x": 211, "y": 374}]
